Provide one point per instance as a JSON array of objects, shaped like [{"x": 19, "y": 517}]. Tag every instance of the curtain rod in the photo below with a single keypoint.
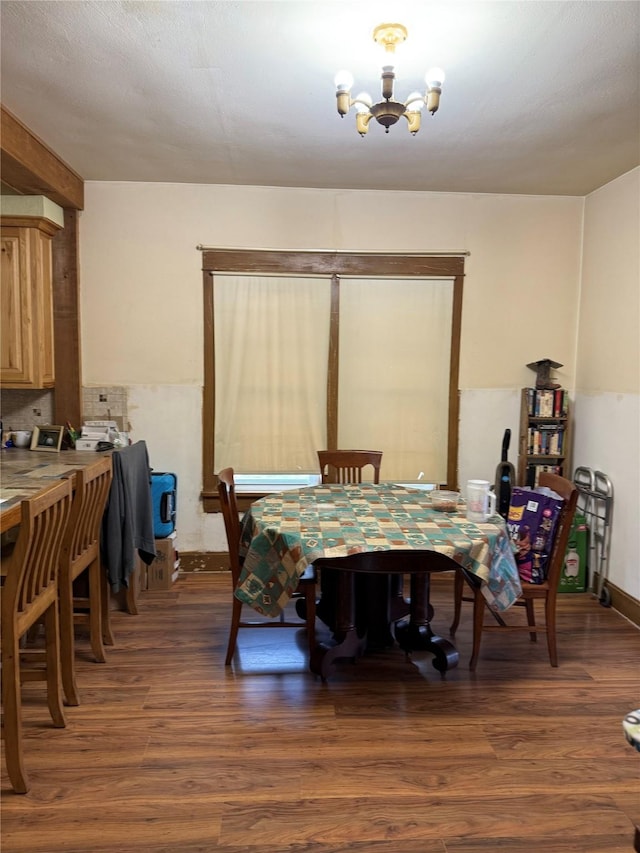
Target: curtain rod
[{"x": 456, "y": 254}]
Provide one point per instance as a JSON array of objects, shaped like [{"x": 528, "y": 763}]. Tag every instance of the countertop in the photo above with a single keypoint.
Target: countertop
[{"x": 25, "y": 472}]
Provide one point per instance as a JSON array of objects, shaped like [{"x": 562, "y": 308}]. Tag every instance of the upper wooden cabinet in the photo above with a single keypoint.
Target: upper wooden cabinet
[{"x": 26, "y": 330}]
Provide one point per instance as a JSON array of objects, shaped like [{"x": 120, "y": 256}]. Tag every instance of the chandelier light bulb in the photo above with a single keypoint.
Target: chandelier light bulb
[
  {"x": 434, "y": 78},
  {"x": 415, "y": 101},
  {"x": 362, "y": 102},
  {"x": 343, "y": 81}
]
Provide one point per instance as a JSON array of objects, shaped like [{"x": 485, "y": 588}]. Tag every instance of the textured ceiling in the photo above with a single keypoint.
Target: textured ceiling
[{"x": 539, "y": 97}]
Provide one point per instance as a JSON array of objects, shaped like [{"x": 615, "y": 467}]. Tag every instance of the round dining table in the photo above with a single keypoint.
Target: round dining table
[{"x": 366, "y": 534}]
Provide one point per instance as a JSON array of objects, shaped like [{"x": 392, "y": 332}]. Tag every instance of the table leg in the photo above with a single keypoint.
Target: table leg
[
  {"x": 325, "y": 607},
  {"x": 348, "y": 643},
  {"x": 416, "y": 634},
  {"x": 377, "y": 609},
  {"x": 379, "y": 604},
  {"x": 399, "y": 605}
]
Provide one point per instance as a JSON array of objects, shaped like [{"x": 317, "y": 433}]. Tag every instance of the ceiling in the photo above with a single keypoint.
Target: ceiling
[{"x": 539, "y": 97}]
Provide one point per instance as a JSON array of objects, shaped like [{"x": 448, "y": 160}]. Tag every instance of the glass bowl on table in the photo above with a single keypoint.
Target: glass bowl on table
[{"x": 445, "y": 501}]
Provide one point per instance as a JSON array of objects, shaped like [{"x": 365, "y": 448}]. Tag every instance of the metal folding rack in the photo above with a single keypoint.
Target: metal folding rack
[{"x": 595, "y": 502}]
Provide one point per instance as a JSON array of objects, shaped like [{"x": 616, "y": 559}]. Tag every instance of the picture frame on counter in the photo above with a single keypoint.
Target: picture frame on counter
[{"x": 47, "y": 438}]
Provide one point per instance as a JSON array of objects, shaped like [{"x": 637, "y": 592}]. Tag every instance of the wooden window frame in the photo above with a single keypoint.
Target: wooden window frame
[{"x": 332, "y": 265}]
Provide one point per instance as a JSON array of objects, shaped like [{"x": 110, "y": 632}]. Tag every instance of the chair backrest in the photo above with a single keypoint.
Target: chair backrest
[
  {"x": 569, "y": 493},
  {"x": 31, "y": 582},
  {"x": 81, "y": 543},
  {"x": 231, "y": 516},
  {"x": 345, "y": 466}
]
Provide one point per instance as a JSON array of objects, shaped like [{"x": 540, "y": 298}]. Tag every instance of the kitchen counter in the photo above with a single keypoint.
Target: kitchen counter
[{"x": 24, "y": 472}]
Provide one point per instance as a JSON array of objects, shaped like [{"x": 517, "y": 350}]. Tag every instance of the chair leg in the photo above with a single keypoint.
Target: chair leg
[
  {"x": 531, "y": 618},
  {"x": 67, "y": 641},
  {"x": 550, "y": 618},
  {"x": 95, "y": 611},
  {"x": 233, "y": 630},
  {"x": 131, "y": 595},
  {"x": 54, "y": 693},
  {"x": 458, "y": 590},
  {"x": 105, "y": 604},
  {"x": 12, "y": 707},
  {"x": 478, "y": 620}
]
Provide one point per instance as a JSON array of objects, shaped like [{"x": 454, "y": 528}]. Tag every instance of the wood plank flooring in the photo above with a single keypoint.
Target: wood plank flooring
[{"x": 171, "y": 751}]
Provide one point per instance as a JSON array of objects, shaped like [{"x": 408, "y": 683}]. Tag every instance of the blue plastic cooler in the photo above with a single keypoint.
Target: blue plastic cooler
[{"x": 164, "y": 486}]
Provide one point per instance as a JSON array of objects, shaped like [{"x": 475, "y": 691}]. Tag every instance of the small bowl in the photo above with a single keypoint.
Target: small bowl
[{"x": 444, "y": 501}]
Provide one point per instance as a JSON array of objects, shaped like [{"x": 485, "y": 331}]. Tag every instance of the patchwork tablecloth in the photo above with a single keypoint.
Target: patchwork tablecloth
[{"x": 285, "y": 532}]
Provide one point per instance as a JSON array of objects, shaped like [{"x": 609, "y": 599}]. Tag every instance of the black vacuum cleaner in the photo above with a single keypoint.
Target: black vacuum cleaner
[{"x": 505, "y": 478}]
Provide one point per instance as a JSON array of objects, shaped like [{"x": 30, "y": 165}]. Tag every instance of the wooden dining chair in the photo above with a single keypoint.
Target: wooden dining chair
[
  {"x": 346, "y": 466},
  {"x": 81, "y": 565},
  {"x": 306, "y": 589},
  {"x": 30, "y": 593},
  {"x": 546, "y": 592}
]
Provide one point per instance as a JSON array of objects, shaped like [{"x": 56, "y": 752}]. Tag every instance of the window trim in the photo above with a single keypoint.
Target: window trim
[{"x": 331, "y": 264}]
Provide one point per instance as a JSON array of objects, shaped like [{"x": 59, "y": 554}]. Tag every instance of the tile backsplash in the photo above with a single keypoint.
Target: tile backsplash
[
  {"x": 106, "y": 404},
  {"x": 24, "y": 409}
]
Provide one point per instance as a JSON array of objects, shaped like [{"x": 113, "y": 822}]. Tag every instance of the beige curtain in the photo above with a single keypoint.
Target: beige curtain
[
  {"x": 271, "y": 353},
  {"x": 395, "y": 347}
]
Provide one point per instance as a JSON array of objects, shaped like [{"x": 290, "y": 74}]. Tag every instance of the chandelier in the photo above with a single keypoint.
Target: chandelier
[{"x": 388, "y": 111}]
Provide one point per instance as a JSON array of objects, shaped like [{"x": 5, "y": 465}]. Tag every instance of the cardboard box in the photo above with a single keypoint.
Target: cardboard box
[
  {"x": 86, "y": 444},
  {"x": 574, "y": 571},
  {"x": 164, "y": 570}
]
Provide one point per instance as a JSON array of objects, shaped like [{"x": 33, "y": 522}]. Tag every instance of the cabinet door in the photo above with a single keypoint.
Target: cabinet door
[
  {"x": 16, "y": 361},
  {"x": 26, "y": 349}
]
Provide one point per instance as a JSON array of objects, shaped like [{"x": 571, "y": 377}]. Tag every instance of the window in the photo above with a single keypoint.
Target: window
[
  {"x": 393, "y": 375},
  {"x": 306, "y": 350},
  {"x": 271, "y": 342}
]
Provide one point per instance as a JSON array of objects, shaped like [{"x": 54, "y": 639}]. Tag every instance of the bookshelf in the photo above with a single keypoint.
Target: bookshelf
[{"x": 544, "y": 439}]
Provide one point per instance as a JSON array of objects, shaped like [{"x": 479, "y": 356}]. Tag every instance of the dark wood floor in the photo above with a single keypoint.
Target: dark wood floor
[{"x": 171, "y": 751}]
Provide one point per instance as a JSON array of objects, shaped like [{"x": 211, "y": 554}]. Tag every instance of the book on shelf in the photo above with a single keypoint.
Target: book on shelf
[
  {"x": 561, "y": 403},
  {"x": 531, "y": 401},
  {"x": 547, "y": 402},
  {"x": 544, "y": 402},
  {"x": 533, "y": 473},
  {"x": 545, "y": 440}
]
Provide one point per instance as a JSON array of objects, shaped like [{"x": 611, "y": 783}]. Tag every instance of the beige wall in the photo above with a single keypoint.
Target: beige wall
[
  {"x": 608, "y": 355},
  {"x": 141, "y": 299},
  {"x": 139, "y": 262},
  {"x": 607, "y": 404}
]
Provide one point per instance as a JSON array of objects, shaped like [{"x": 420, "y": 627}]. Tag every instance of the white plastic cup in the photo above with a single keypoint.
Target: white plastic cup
[
  {"x": 21, "y": 438},
  {"x": 481, "y": 501}
]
